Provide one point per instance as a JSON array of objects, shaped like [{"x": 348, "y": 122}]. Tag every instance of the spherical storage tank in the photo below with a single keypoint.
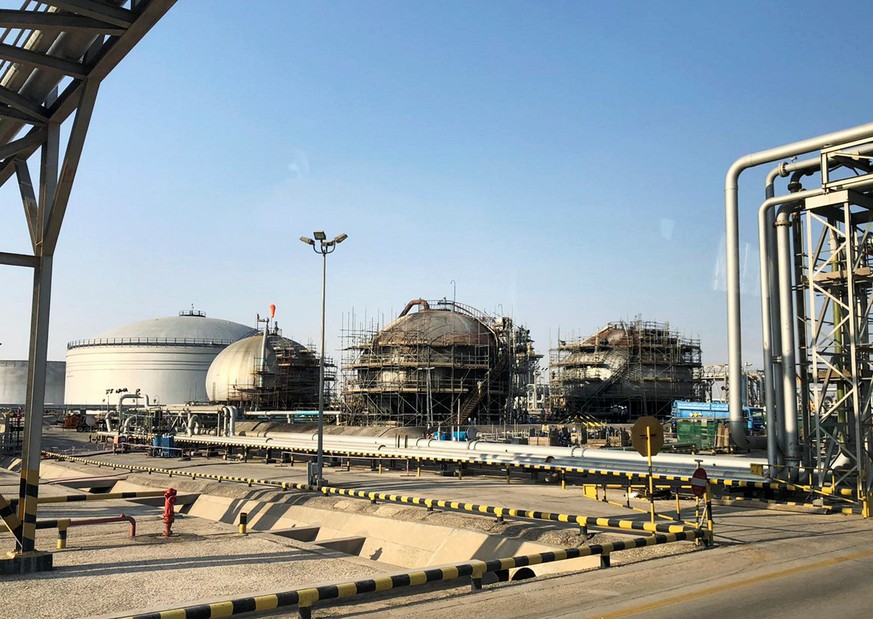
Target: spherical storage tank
[
  {"x": 165, "y": 358},
  {"x": 279, "y": 374},
  {"x": 429, "y": 367}
]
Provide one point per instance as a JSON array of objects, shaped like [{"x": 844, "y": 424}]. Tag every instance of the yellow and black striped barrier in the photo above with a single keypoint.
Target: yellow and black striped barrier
[
  {"x": 498, "y": 512},
  {"x": 502, "y": 512},
  {"x": 304, "y": 598},
  {"x": 10, "y": 518}
]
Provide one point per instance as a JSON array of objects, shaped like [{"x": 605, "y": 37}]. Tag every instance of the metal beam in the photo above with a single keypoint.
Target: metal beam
[
  {"x": 37, "y": 113},
  {"x": 28, "y": 199},
  {"x": 98, "y": 10},
  {"x": 36, "y": 370},
  {"x": 41, "y": 61},
  {"x": 32, "y": 140},
  {"x": 71, "y": 164},
  {"x": 9, "y": 112},
  {"x": 113, "y": 52},
  {"x": 48, "y": 181},
  {"x": 18, "y": 260},
  {"x": 56, "y": 22}
]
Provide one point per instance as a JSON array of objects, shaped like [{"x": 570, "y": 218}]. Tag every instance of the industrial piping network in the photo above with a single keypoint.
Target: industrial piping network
[
  {"x": 779, "y": 395},
  {"x": 775, "y": 283},
  {"x": 726, "y": 467}
]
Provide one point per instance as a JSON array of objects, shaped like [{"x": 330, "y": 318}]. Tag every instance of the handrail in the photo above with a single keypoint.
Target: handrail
[
  {"x": 149, "y": 341},
  {"x": 72, "y": 498},
  {"x": 62, "y": 524},
  {"x": 304, "y": 598}
]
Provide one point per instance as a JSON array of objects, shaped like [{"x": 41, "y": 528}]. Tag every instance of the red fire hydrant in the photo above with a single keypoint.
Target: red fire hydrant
[{"x": 169, "y": 510}]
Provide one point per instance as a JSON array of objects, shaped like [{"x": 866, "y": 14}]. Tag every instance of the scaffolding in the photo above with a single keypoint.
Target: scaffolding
[
  {"x": 445, "y": 365},
  {"x": 625, "y": 370},
  {"x": 11, "y": 430},
  {"x": 284, "y": 376},
  {"x": 714, "y": 385}
]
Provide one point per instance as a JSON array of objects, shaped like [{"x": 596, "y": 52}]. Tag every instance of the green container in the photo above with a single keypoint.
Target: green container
[{"x": 699, "y": 432}]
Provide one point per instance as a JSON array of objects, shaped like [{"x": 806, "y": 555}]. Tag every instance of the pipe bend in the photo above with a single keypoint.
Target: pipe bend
[{"x": 420, "y": 302}]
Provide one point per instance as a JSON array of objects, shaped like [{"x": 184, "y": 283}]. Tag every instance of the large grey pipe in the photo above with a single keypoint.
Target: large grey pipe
[
  {"x": 786, "y": 329},
  {"x": 770, "y": 339},
  {"x": 771, "y": 288},
  {"x": 732, "y": 243}
]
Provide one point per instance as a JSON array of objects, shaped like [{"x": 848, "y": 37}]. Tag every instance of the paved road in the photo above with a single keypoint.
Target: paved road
[{"x": 816, "y": 573}]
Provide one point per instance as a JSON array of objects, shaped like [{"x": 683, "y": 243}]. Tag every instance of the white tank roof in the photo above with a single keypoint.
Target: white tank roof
[{"x": 188, "y": 328}]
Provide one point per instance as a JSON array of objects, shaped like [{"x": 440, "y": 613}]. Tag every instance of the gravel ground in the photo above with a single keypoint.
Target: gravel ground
[{"x": 104, "y": 572}]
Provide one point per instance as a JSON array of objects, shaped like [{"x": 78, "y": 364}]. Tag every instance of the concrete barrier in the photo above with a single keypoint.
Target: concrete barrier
[{"x": 475, "y": 571}]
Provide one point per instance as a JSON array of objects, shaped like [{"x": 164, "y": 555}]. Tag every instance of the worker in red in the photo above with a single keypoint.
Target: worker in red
[{"x": 169, "y": 510}]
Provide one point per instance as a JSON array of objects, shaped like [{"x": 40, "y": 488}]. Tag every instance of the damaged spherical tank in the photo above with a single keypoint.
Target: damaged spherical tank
[
  {"x": 443, "y": 364},
  {"x": 266, "y": 373},
  {"x": 164, "y": 358}
]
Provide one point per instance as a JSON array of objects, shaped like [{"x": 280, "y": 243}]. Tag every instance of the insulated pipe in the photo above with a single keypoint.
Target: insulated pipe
[
  {"x": 770, "y": 338},
  {"x": 770, "y": 290},
  {"x": 129, "y": 396},
  {"x": 492, "y": 453},
  {"x": 786, "y": 310},
  {"x": 231, "y": 420},
  {"x": 732, "y": 243}
]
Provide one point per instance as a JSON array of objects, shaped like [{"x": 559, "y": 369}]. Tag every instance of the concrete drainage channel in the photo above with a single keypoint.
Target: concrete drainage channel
[{"x": 394, "y": 536}]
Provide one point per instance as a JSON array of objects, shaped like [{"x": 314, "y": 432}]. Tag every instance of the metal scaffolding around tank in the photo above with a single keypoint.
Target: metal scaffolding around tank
[
  {"x": 443, "y": 365},
  {"x": 625, "y": 369},
  {"x": 268, "y": 372}
]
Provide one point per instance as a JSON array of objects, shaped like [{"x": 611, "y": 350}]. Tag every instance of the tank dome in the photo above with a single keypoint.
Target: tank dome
[
  {"x": 187, "y": 328},
  {"x": 435, "y": 327},
  {"x": 165, "y": 358},
  {"x": 278, "y": 374}
]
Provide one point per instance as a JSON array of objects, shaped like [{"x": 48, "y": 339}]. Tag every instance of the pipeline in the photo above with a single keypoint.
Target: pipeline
[
  {"x": 777, "y": 288},
  {"x": 732, "y": 242},
  {"x": 571, "y": 456}
]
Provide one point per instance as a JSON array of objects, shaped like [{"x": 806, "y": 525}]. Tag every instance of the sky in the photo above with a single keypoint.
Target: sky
[{"x": 561, "y": 163}]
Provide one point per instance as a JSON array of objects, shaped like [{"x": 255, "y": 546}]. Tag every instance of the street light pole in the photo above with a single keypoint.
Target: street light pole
[{"x": 324, "y": 248}]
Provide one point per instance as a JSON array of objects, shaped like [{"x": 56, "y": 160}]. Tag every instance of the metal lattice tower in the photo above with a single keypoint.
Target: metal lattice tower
[
  {"x": 53, "y": 57},
  {"x": 837, "y": 283}
]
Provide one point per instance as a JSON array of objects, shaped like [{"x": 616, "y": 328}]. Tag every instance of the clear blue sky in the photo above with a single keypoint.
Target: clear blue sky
[{"x": 562, "y": 162}]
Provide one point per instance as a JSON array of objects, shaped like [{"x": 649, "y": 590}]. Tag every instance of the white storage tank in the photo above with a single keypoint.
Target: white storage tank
[
  {"x": 165, "y": 358},
  {"x": 13, "y": 383},
  {"x": 279, "y": 374}
]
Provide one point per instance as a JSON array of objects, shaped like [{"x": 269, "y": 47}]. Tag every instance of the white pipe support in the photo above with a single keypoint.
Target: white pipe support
[{"x": 786, "y": 311}]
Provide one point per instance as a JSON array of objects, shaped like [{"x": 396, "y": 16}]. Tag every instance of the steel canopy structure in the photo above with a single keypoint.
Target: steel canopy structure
[{"x": 53, "y": 56}]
